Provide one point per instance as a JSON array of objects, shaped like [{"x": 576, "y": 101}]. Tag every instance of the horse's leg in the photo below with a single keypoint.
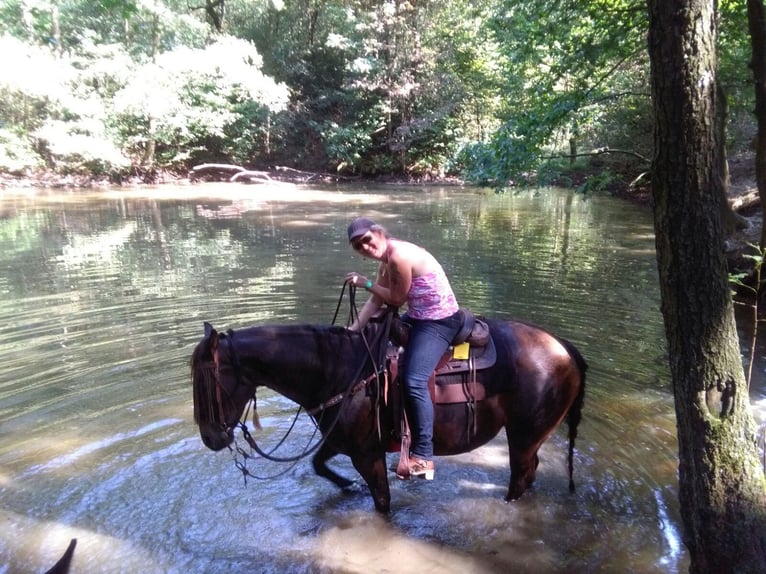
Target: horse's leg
[
  {"x": 372, "y": 467},
  {"x": 523, "y": 469},
  {"x": 319, "y": 461}
]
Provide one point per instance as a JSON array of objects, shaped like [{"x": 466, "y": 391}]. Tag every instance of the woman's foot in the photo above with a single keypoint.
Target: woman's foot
[{"x": 418, "y": 468}]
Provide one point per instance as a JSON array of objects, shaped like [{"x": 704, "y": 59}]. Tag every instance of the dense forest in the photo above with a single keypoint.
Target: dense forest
[{"x": 490, "y": 91}]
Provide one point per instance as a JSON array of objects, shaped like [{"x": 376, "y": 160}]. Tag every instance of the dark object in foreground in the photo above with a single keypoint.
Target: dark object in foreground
[
  {"x": 536, "y": 382},
  {"x": 62, "y": 566}
]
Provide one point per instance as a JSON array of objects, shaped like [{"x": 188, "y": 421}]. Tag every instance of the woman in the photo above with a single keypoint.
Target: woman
[{"x": 409, "y": 274}]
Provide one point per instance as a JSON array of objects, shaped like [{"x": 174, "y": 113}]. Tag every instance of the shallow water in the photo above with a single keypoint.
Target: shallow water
[{"x": 103, "y": 296}]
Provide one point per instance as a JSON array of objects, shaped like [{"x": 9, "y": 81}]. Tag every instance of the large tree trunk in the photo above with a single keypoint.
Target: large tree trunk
[
  {"x": 757, "y": 24},
  {"x": 721, "y": 484}
]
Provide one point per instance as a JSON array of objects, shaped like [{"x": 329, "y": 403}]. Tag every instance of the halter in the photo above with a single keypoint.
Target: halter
[
  {"x": 355, "y": 385},
  {"x": 240, "y": 424}
]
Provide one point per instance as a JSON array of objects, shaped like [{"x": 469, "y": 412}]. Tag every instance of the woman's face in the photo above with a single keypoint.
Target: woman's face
[{"x": 371, "y": 244}]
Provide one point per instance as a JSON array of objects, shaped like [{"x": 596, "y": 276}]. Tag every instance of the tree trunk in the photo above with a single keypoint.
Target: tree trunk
[
  {"x": 572, "y": 150},
  {"x": 58, "y": 48},
  {"x": 147, "y": 160},
  {"x": 757, "y": 24},
  {"x": 721, "y": 483},
  {"x": 214, "y": 10}
]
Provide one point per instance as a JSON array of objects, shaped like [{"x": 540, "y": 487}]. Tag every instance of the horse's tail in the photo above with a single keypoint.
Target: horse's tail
[{"x": 575, "y": 411}]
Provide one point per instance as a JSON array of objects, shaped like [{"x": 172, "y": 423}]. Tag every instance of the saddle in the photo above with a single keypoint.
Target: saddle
[{"x": 454, "y": 380}]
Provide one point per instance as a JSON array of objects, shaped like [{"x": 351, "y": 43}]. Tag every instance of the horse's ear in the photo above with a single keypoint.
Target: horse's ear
[{"x": 211, "y": 336}]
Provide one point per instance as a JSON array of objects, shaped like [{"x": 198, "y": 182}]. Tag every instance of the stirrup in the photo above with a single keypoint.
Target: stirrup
[{"x": 418, "y": 469}]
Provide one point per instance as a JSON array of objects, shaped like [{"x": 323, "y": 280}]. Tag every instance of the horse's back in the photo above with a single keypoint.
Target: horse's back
[
  {"x": 546, "y": 374},
  {"x": 532, "y": 349}
]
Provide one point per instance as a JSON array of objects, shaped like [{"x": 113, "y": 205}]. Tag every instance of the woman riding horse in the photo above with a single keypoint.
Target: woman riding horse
[
  {"x": 408, "y": 273},
  {"x": 536, "y": 382}
]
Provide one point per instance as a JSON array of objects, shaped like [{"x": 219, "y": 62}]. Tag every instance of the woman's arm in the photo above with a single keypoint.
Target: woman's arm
[
  {"x": 373, "y": 303},
  {"x": 393, "y": 284}
]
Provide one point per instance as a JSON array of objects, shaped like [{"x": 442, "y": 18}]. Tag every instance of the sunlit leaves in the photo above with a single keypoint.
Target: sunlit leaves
[
  {"x": 190, "y": 94},
  {"x": 19, "y": 59},
  {"x": 566, "y": 63},
  {"x": 55, "y": 105}
]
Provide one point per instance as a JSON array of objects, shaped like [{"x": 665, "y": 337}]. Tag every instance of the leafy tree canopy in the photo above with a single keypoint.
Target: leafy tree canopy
[{"x": 495, "y": 90}]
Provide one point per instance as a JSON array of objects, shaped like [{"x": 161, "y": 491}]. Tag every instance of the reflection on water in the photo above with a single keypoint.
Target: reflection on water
[{"x": 103, "y": 298}]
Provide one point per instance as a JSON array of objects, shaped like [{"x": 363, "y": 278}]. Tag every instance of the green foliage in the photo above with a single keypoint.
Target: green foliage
[
  {"x": 734, "y": 72},
  {"x": 752, "y": 284},
  {"x": 490, "y": 89},
  {"x": 571, "y": 66},
  {"x": 598, "y": 182},
  {"x": 246, "y": 137},
  {"x": 476, "y": 162},
  {"x": 344, "y": 146},
  {"x": 54, "y": 111},
  {"x": 72, "y": 148},
  {"x": 16, "y": 154},
  {"x": 28, "y": 98}
]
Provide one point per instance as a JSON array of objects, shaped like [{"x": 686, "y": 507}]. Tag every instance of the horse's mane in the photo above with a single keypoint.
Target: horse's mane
[{"x": 203, "y": 375}]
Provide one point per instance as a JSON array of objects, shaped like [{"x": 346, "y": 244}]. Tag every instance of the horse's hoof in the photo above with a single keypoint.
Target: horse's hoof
[
  {"x": 383, "y": 505},
  {"x": 515, "y": 494}
]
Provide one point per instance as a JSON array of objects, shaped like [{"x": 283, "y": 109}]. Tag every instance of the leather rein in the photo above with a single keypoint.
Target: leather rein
[{"x": 355, "y": 385}]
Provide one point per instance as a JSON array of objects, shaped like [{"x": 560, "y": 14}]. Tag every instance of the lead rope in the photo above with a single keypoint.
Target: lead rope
[
  {"x": 379, "y": 364},
  {"x": 242, "y": 466},
  {"x": 341, "y": 398}
]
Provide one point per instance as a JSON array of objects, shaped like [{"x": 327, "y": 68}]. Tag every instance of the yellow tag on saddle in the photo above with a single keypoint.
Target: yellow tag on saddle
[{"x": 460, "y": 351}]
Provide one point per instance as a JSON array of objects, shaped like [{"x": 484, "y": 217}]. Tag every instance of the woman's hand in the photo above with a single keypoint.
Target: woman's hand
[{"x": 356, "y": 279}]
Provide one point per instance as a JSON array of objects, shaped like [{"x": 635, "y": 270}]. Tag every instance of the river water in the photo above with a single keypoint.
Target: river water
[{"x": 103, "y": 295}]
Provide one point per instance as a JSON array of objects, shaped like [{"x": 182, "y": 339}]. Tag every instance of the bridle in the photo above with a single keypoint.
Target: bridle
[
  {"x": 236, "y": 365},
  {"x": 316, "y": 413}
]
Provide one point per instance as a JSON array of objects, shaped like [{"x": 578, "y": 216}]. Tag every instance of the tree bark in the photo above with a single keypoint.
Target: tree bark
[{"x": 722, "y": 489}]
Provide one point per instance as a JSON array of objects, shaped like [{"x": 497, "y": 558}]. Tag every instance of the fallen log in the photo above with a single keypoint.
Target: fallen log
[
  {"x": 252, "y": 175},
  {"x": 216, "y": 167},
  {"x": 240, "y": 172}
]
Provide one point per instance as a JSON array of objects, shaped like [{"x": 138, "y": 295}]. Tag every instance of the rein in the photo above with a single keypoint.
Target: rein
[{"x": 339, "y": 399}]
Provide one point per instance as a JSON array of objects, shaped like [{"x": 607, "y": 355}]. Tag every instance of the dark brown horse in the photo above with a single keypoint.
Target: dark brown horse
[{"x": 537, "y": 381}]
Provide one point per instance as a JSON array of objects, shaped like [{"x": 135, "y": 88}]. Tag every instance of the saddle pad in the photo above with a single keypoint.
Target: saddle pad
[{"x": 478, "y": 358}]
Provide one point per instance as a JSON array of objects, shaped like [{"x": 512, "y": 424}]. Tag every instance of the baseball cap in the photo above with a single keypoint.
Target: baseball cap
[{"x": 359, "y": 227}]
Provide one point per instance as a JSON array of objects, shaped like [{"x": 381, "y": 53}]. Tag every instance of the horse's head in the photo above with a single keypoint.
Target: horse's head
[{"x": 220, "y": 396}]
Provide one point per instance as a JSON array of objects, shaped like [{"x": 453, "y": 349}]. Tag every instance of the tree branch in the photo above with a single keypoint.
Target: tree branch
[{"x": 602, "y": 151}]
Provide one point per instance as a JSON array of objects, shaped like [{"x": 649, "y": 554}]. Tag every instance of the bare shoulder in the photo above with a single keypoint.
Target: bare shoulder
[
  {"x": 404, "y": 250},
  {"x": 417, "y": 259}
]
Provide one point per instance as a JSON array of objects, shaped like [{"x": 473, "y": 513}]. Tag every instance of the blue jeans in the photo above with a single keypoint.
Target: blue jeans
[{"x": 428, "y": 341}]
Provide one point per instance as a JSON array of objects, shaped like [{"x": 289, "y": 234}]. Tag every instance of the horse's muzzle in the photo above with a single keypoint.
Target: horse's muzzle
[{"x": 216, "y": 439}]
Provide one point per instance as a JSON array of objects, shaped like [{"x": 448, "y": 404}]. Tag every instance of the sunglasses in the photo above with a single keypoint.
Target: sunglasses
[{"x": 357, "y": 244}]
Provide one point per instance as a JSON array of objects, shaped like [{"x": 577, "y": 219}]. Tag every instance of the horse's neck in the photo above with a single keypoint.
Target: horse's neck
[{"x": 302, "y": 363}]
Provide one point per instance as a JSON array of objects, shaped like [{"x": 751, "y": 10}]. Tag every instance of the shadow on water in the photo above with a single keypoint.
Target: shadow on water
[{"x": 103, "y": 298}]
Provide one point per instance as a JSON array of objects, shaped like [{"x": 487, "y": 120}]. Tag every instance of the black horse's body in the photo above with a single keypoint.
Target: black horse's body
[{"x": 536, "y": 382}]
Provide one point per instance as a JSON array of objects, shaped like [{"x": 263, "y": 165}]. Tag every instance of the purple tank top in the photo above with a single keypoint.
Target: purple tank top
[{"x": 431, "y": 297}]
